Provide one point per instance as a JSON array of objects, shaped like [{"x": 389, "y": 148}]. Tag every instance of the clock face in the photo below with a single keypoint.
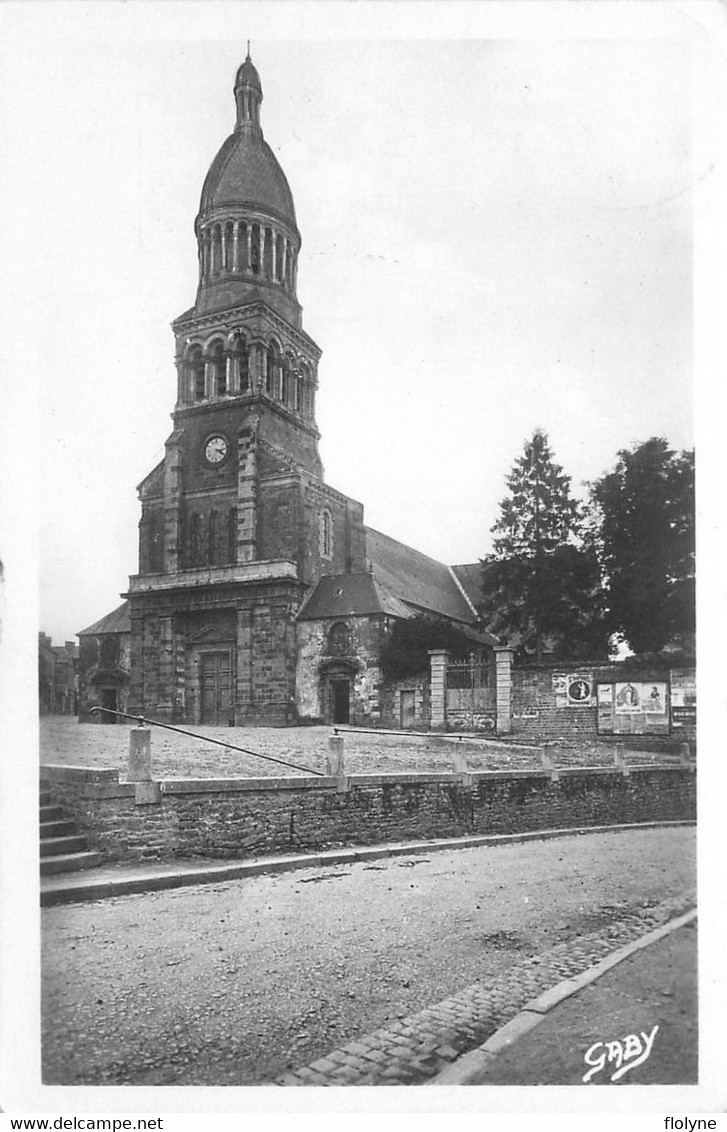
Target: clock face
[{"x": 215, "y": 450}]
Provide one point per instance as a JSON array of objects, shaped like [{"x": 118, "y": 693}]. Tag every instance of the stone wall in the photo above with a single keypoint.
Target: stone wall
[
  {"x": 391, "y": 702},
  {"x": 238, "y": 818},
  {"x": 537, "y": 713}
]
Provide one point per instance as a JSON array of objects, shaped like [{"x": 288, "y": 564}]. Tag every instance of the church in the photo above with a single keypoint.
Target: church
[{"x": 261, "y": 597}]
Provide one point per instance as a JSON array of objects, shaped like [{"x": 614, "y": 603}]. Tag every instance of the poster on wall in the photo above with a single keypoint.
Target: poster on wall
[
  {"x": 573, "y": 690},
  {"x": 683, "y": 698},
  {"x": 560, "y": 686},
  {"x": 628, "y": 699},
  {"x": 605, "y": 694},
  {"x": 579, "y": 690},
  {"x": 653, "y": 698}
]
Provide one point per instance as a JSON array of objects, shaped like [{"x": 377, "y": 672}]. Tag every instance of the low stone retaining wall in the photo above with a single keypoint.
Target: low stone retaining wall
[{"x": 242, "y": 817}]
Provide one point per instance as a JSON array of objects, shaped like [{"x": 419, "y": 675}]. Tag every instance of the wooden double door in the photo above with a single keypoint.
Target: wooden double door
[{"x": 216, "y": 687}]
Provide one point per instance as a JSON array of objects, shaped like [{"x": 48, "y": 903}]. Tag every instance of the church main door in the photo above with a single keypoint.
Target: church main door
[{"x": 215, "y": 688}]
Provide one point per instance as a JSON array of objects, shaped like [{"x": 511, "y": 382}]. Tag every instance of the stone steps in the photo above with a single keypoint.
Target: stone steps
[{"x": 62, "y": 848}]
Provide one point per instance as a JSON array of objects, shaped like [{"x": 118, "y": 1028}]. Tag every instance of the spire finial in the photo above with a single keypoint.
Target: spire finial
[{"x": 248, "y": 52}]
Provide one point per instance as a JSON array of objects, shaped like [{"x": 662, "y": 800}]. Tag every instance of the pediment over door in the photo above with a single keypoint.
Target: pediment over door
[{"x": 212, "y": 635}]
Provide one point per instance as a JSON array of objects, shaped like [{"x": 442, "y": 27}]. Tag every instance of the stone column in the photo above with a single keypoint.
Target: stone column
[
  {"x": 262, "y": 249},
  {"x": 243, "y": 680},
  {"x": 138, "y": 768},
  {"x": 248, "y": 265},
  {"x": 233, "y": 377},
  {"x": 503, "y": 686},
  {"x": 247, "y": 494},
  {"x": 284, "y": 272},
  {"x": 274, "y": 259},
  {"x": 438, "y": 688},
  {"x": 235, "y": 246},
  {"x": 172, "y": 504}
]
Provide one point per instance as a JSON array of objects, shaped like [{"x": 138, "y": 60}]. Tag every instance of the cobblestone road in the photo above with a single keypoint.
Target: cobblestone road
[
  {"x": 394, "y": 967},
  {"x": 417, "y": 1048}
]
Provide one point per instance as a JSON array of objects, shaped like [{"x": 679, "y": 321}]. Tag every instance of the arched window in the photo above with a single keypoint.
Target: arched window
[
  {"x": 244, "y": 363},
  {"x": 301, "y": 388},
  {"x": 195, "y": 370},
  {"x": 212, "y": 538},
  {"x": 279, "y": 257},
  {"x": 268, "y": 265},
  {"x": 232, "y": 535},
  {"x": 218, "y": 368},
  {"x": 242, "y": 249},
  {"x": 195, "y": 540},
  {"x": 285, "y": 379},
  {"x": 255, "y": 250},
  {"x": 216, "y": 265},
  {"x": 338, "y": 639},
  {"x": 241, "y": 361},
  {"x": 326, "y": 534},
  {"x": 272, "y": 378}
]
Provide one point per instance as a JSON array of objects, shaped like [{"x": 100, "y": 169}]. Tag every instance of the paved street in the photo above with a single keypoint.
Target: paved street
[
  {"x": 656, "y": 987},
  {"x": 243, "y": 982}
]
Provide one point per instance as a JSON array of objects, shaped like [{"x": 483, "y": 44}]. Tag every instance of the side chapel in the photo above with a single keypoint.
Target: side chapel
[{"x": 261, "y": 597}]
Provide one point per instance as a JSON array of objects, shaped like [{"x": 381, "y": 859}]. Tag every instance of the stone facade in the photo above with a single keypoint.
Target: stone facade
[{"x": 337, "y": 672}]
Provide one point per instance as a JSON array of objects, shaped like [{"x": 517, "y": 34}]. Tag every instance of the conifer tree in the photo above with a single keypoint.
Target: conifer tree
[{"x": 540, "y": 581}]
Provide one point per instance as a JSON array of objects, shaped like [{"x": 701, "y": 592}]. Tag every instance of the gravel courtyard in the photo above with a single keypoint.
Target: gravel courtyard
[{"x": 64, "y": 740}]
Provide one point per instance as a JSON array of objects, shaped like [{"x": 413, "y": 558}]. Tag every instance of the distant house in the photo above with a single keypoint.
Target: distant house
[
  {"x": 103, "y": 666},
  {"x": 57, "y": 665}
]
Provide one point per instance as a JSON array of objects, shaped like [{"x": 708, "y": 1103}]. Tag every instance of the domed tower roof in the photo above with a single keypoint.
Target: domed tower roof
[
  {"x": 248, "y": 75},
  {"x": 246, "y": 227},
  {"x": 246, "y": 172}
]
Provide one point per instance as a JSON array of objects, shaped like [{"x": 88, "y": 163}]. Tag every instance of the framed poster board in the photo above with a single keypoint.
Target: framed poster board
[
  {"x": 683, "y": 698},
  {"x": 633, "y": 707}
]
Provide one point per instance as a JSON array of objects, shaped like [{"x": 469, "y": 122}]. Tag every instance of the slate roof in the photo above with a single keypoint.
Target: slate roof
[
  {"x": 414, "y": 578},
  {"x": 246, "y": 172},
  {"x": 118, "y": 621},
  {"x": 469, "y": 577},
  {"x": 348, "y": 595}
]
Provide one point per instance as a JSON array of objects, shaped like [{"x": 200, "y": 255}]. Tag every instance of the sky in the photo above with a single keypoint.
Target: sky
[{"x": 498, "y": 236}]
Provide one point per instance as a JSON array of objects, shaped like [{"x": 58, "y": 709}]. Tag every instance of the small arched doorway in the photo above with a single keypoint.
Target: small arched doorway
[
  {"x": 340, "y": 706},
  {"x": 337, "y": 687}
]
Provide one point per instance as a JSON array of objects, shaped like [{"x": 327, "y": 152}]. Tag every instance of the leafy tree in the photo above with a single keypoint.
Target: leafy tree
[
  {"x": 406, "y": 650},
  {"x": 645, "y": 536},
  {"x": 540, "y": 582}
]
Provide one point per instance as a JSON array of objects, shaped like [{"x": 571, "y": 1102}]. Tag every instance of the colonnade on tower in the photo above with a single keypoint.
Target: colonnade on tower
[{"x": 247, "y": 247}]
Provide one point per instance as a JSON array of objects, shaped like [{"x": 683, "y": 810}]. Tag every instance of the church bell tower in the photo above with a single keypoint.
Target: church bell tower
[{"x": 237, "y": 524}]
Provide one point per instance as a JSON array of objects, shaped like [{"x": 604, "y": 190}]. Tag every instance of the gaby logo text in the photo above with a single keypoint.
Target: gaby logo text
[{"x": 624, "y": 1055}]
